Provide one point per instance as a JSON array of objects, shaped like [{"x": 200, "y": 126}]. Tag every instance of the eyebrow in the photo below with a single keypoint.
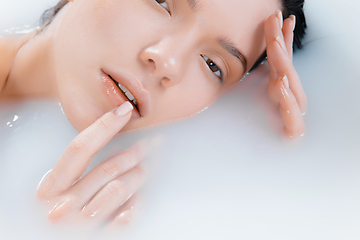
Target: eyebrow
[
  {"x": 230, "y": 47},
  {"x": 193, "y": 4},
  {"x": 224, "y": 42}
]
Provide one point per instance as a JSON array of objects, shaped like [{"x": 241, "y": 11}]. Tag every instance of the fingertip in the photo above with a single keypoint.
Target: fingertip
[
  {"x": 293, "y": 18},
  {"x": 124, "y": 218},
  {"x": 280, "y": 18},
  {"x": 124, "y": 109},
  {"x": 127, "y": 215},
  {"x": 292, "y": 136}
]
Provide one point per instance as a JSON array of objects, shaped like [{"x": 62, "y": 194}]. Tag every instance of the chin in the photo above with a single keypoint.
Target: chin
[
  {"x": 80, "y": 120},
  {"x": 80, "y": 124}
]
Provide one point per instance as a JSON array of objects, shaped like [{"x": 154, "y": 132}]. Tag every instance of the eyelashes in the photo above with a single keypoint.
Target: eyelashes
[
  {"x": 213, "y": 67},
  {"x": 164, "y": 4}
]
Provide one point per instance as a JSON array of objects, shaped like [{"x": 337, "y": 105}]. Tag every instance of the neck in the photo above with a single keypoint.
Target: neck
[{"x": 32, "y": 72}]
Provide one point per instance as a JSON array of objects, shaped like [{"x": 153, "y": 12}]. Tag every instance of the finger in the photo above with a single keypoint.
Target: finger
[
  {"x": 284, "y": 66},
  {"x": 108, "y": 170},
  {"x": 114, "y": 194},
  {"x": 288, "y": 33},
  {"x": 76, "y": 157},
  {"x": 273, "y": 30},
  {"x": 126, "y": 215},
  {"x": 272, "y": 79},
  {"x": 290, "y": 112}
]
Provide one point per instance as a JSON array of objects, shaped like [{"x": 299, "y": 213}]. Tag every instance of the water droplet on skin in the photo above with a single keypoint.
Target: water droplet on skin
[
  {"x": 203, "y": 110},
  {"x": 94, "y": 214}
]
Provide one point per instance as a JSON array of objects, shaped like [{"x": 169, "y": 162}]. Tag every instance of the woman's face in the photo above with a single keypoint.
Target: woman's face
[{"x": 174, "y": 56}]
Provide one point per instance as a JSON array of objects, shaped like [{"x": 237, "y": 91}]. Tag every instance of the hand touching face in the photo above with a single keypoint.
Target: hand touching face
[
  {"x": 173, "y": 56},
  {"x": 284, "y": 87},
  {"x": 101, "y": 194}
]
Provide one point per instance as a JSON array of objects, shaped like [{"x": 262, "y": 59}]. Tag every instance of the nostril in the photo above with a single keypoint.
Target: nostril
[
  {"x": 151, "y": 63},
  {"x": 166, "y": 82}
]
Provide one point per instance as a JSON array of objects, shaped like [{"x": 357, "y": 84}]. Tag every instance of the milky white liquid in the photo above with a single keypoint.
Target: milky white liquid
[{"x": 225, "y": 173}]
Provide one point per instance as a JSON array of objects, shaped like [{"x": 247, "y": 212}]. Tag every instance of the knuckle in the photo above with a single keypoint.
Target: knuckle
[
  {"x": 116, "y": 188},
  {"x": 60, "y": 210},
  {"x": 140, "y": 171},
  {"x": 43, "y": 194},
  {"x": 109, "y": 168},
  {"x": 124, "y": 218},
  {"x": 46, "y": 193},
  {"x": 76, "y": 146},
  {"x": 134, "y": 154},
  {"x": 56, "y": 215},
  {"x": 101, "y": 124}
]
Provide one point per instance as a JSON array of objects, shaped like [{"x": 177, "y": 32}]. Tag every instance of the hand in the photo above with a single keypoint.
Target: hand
[
  {"x": 100, "y": 194},
  {"x": 284, "y": 88}
]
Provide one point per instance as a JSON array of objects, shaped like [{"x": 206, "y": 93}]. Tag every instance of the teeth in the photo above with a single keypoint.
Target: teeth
[
  {"x": 124, "y": 89},
  {"x": 128, "y": 94}
]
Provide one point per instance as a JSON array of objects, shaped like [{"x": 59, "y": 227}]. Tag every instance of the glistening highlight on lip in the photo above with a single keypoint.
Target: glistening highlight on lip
[
  {"x": 114, "y": 93},
  {"x": 134, "y": 86}
]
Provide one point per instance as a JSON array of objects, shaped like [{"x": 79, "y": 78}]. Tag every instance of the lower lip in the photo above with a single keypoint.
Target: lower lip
[{"x": 114, "y": 94}]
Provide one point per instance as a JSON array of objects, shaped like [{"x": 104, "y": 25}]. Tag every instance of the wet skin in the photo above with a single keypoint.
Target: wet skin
[
  {"x": 164, "y": 54},
  {"x": 171, "y": 57}
]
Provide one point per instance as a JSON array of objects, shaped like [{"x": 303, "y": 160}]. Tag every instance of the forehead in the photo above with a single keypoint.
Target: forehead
[{"x": 242, "y": 21}]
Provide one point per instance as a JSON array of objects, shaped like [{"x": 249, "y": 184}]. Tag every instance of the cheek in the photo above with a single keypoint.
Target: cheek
[{"x": 193, "y": 94}]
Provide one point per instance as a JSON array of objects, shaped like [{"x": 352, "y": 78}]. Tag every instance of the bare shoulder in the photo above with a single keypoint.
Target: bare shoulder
[
  {"x": 7, "y": 55},
  {"x": 9, "y": 47}
]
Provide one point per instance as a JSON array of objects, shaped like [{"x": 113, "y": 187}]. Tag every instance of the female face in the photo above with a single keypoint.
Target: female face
[{"x": 173, "y": 56}]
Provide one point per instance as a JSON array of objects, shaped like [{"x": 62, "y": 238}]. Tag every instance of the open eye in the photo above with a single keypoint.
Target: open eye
[
  {"x": 164, "y": 4},
  {"x": 213, "y": 67}
]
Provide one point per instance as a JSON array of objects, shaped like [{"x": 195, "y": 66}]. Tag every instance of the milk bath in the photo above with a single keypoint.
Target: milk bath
[{"x": 225, "y": 173}]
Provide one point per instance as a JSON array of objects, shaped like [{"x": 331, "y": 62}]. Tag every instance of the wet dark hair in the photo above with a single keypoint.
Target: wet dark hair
[
  {"x": 290, "y": 7},
  {"x": 49, "y": 14}
]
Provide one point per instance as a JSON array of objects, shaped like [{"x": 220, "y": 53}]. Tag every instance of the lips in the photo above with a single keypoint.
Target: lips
[{"x": 131, "y": 89}]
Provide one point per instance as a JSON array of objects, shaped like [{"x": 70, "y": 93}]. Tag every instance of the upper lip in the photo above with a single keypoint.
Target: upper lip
[{"x": 135, "y": 87}]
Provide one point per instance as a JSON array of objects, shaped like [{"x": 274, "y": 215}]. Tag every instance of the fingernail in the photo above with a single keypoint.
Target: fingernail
[
  {"x": 280, "y": 17},
  {"x": 293, "y": 18},
  {"x": 123, "y": 109},
  {"x": 285, "y": 81}
]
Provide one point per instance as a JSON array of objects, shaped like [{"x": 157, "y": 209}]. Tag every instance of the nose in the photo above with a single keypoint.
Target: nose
[{"x": 165, "y": 61}]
